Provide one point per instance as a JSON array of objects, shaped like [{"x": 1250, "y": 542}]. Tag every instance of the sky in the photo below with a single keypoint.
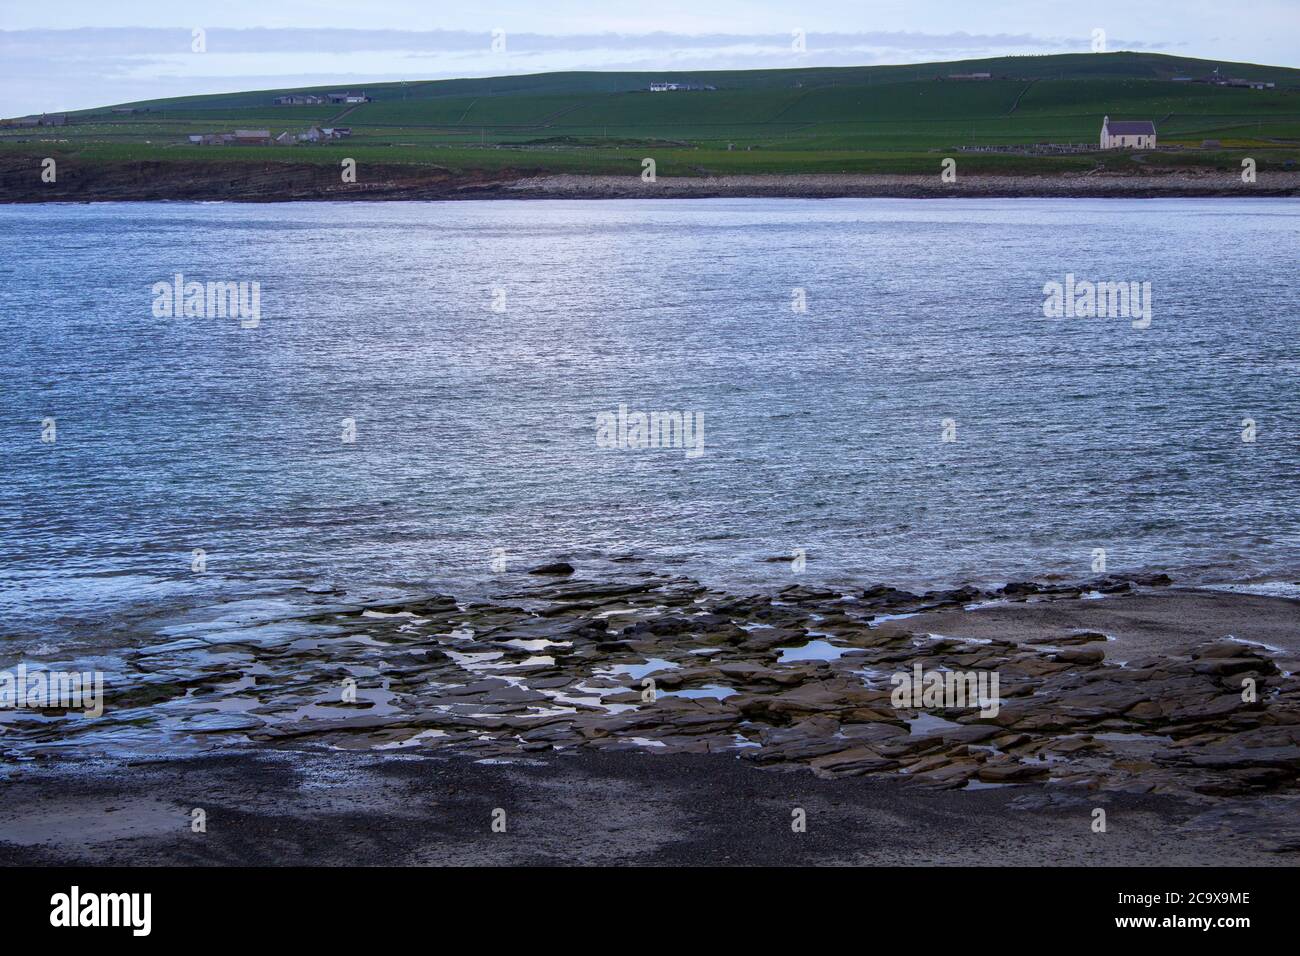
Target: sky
[{"x": 74, "y": 54}]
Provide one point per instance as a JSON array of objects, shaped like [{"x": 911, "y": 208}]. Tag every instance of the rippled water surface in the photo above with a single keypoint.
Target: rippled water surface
[{"x": 476, "y": 428}]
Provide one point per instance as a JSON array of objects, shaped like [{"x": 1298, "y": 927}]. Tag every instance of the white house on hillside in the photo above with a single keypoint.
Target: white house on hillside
[{"x": 1127, "y": 134}]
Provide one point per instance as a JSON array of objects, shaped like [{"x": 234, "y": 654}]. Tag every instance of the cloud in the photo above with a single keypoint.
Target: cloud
[{"x": 109, "y": 41}]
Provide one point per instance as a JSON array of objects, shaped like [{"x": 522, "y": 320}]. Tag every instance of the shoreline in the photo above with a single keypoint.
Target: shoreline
[
  {"x": 1115, "y": 693},
  {"x": 893, "y": 186},
  {"x": 189, "y": 181}
]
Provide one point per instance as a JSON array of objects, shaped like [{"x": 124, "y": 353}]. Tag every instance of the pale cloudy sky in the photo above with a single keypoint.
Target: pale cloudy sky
[{"x": 71, "y": 54}]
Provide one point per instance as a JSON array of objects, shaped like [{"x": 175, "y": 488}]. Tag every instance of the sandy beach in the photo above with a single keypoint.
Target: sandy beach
[
  {"x": 335, "y": 808},
  {"x": 1160, "y": 183}
]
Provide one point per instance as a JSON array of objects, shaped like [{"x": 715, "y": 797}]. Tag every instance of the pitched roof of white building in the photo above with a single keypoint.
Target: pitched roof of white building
[{"x": 1130, "y": 127}]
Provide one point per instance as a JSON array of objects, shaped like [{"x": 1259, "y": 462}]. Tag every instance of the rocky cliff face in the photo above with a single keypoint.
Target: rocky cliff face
[{"x": 233, "y": 180}]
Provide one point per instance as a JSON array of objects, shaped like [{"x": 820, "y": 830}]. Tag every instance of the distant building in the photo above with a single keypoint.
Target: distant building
[
  {"x": 45, "y": 119},
  {"x": 970, "y": 76},
  {"x": 251, "y": 137},
  {"x": 299, "y": 99},
  {"x": 1218, "y": 79},
  {"x": 314, "y": 134},
  {"x": 671, "y": 87},
  {"x": 348, "y": 97},
  {"x": 1127, "y": 134}
]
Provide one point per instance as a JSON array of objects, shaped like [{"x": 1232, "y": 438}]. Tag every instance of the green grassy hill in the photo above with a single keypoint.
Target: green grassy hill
[
  {"x": 850, "y": 118},
  {"x": 1068, "y": 66}
]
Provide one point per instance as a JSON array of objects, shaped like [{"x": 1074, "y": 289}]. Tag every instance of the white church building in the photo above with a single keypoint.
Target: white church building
[{"x": 1127, "y": 134}]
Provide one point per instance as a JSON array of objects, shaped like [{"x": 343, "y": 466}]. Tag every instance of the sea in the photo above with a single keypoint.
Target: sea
[{"x": 435, "y": 397}]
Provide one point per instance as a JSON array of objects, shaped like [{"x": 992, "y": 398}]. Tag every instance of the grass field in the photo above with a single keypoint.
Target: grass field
[{"x": 858, "y": 119}]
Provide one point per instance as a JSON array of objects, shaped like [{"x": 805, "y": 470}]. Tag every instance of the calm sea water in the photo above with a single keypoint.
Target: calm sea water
[{"x": 475, "y": 428}]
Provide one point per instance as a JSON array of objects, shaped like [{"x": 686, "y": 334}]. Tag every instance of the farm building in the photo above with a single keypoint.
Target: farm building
[
  {"x": 671, "y": 87},
  {"x": 299, "y": 99},
  {"x": 251, "y": 137},
  {"x": 1216, "y": 78},
  {"x": 348, "y": 98},
  {"x": 1127, "y": 134},
  {"x": 45, "y": 119}
]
